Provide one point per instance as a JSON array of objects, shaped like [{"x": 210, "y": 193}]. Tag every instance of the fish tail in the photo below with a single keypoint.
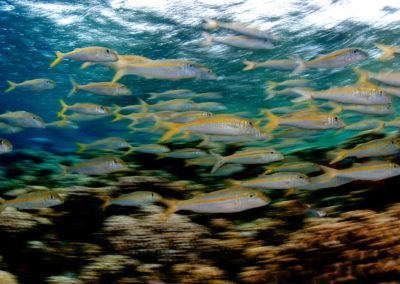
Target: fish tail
[
  {"x": 207, "y": 38},
  {"x": 175, "y": 128},
  {"x": 232, "y": 182},
  {"x": 250, "y": 65},
  {"x": 153, "y": 96},
  {"x": 143, "y": 105},
  {"x": 118, "y": 117},
  {"x": 268, "y": 170},
  {"x": 204, "y": 142},
  {"x": 339, "y": 156},
  {"x": 272, "y": 85},
  {"x": 171, "y": 206},
  {"x": 64, "y": 108},
  {"x": 336, "y": 108},
  {"x": 219, "y": 163},
  {"x": 64, "y": 170},
  {"x": 81, "y": 147},
  {"x": 188, "y": 163},
  {"x": 273, "y": 121},
  {"x": 362, "y": 75},
  {"x": 210, "y": 24},
  {"x": 131, "y": 149},
  {"x": 304, "y": 95},
  {"x": 107, "y": 202},
  {"x": 75, "y": 86},
  {"x": 12, "y": 86},
  {"x": 387, "y": 51},
  {"x": 86, "y": 65},
  {"x": 58, "y": 59},
  {"x": 301, "y": 66},
  {"x": 330, "y": 171},
  {"x": 118, "y": 75}
]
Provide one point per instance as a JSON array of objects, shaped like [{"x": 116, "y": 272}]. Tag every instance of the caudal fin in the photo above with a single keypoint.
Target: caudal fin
[
  {"x": 250, "y": 65},
  {"x": 339, "y": 156},
  {"x": 210, "y": 24},
  {"x": 64, "y": 108},
  {"x": 171, "y": 206},
  {"x": 272, "y": 85},
  {"x": 107, "y": 202},
  {"x": 362, "y": 75},
  {"x": 86, "y": 65},
  {"x": 387, "y": 51},
  {"x": 12, "y": 86},
  {"x": 154, "y": 96},
  {"x": 219, "y": 163},
  {"x": 81, "y": 147},
  {"x": 144, "y": 106},
  {"x": 329, "y": 171},
  {"x": 305, "y": 94},
  {"x": 174, "y": 128},
  {"x": 207, "y": 38},
  {"x": 75, "y": 86},
  {"x": 118, "y": 75},
  {"x": 273, "y": 121},
  {"x": 58, "y": 59},
  {"x": 301, "y": 66}
]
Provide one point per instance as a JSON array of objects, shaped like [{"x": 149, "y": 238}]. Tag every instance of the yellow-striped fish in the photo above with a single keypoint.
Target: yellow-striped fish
[
  {"x": 122, "y": 61},
  {"x": 240, "y": 28},
  {"x": 101, "y": 88},
  {"x": 35, "y": 85},
  {"x": 83, "y": 108},
  {"x": 137, "y": 199},
  {"x": 217, "y": 124},
  {"x": 229, "y": 200},
  {"x": 302, "y": 167},
  {"x": 5, "y": 146},
  {"x": 374, "y": 148},
  {"x": 97, "y": 166},
  {"x": 239, "y": 41},
  {"x": 92, "y": 54},
  {"x": 111, "y": 143},
  {"x": 373, "y": 171},
  {"x": 339, "y": 58},
  {"x": 304, "y": 119},
  {"x": 33, "y": 200},
  {"x": 388, "y": 51},
  {"x": 23, "y": 119},
  {"x": 250, "y": 156},
  {"x": 388, "y": 77}
]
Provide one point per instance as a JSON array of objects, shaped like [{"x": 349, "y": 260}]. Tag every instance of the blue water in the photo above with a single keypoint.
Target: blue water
[{"x": 32, "y": 31}]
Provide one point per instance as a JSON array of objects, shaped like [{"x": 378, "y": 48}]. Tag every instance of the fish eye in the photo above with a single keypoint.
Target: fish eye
[
  {"x": 250, "y": 123},
  {"x": 380, "y": 92},
  {"x": 336, "y": 118},
  {"x": 355, "y": 50},
  {"x": 301, "y": 177},
  {"x": 251, "y": 195},
  {"x": 190, "y": 65},
  {"x": 108, "y": 51}
]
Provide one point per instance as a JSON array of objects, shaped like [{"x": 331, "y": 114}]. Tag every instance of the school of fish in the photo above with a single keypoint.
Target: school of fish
[{"x": 171, "y": 117}]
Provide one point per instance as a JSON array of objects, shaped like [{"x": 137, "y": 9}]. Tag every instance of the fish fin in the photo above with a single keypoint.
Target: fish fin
[
  {"x": 207, "y": 38},
  {"x": 143, "y": 105},
  {"x": 301, "y": 66},
  {"x": 171, "y": 207},
  {"x": 118, "y": 75},
  {"x": 174, "y": 128},
  {"x": 329, "y": 171},
  {"x": 130, "y": 150},
  {"x": 118, "y": 117},
  {"x": 273, "y": 121},
  {"x": 337, "y": 108},
  {"x": 290, "y": 191},
  {"x": 250, "y": 65},
  {"x": 81, "y": 148},
  {"x": 153, "y": 96},
  {"x": 271, "y": 95},
  {"x": 387, "y": 51},
  {"x": 362, "y": 75},
  {"x": 64, "y": 170},
  {"x": 107, "y": 201},
  {"x": 272, "y": 85},
  {"x": 185, "y": 135},
  {"x": 2, "y": 207},
  {"x": 232, "y": 182},
  {"x": 75, "y": 86},
  {"x": 210, "y": 24},
  {"x": 339, "y": 156},
  {"x": 219, "y": 163},
  {"x": 58, "y": 59},
  {"x": 304, "y": 95},
  {"x": 204, "y": 142},
  {"x": 86, "y": 65},
  {"x": 12, "y": 86},
  {"x": 268, "y": 170},
  {"x": 64, "y": 108}
]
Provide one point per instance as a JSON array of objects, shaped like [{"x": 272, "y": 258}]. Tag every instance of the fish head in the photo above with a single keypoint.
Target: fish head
[
  {"x": 54, "y": 199},
  {"x": 107, "y": 55},
  {"x": 102, "y": 110},
  {"x": 302, "y": 179},
  {"x": 49, "y": 84},
  {"x": 395, "y": 142},
  {"x": 201, "y": 72},
  {"x": 394, "y": 168},
  {"x": 123, "y": 91},
  {"x": 117, "y": 164},
  {"x": 357, "y": 54},
  {"x": 335, "y": 122},
  {"x": 381, "y": 96},
  {"x": 155, "y": 197},
  {"x": 267, "y": 44},
  {"x": 274, "y": 156},
  {"x": 5, "y": 145},
  {"x": 254, "y": 198}
]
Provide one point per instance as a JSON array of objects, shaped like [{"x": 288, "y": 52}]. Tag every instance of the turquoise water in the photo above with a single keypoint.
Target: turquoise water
[{"x": 77, "y": 233}]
